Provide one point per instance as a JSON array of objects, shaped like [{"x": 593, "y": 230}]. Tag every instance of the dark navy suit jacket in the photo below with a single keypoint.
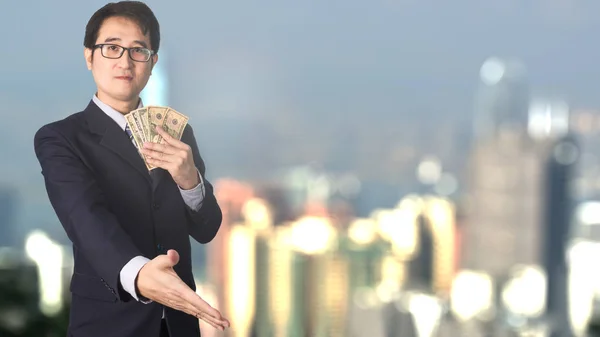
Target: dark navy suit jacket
[{"x": 113, "y": 210}]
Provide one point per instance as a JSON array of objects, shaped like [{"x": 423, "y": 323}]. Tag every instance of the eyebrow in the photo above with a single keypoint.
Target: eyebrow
[{"x": 113, "y": 39}]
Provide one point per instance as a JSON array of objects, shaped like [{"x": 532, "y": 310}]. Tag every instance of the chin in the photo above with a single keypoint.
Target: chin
[
  {"x": 124, "y": 96},
  {"x": 120, "y": 92}
]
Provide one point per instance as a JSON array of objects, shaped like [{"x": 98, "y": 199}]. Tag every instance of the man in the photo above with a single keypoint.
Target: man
[{"x": 130, "y": 228}]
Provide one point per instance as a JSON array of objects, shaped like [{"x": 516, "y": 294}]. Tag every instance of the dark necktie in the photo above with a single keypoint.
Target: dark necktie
[{"x": 130, "y": 134}]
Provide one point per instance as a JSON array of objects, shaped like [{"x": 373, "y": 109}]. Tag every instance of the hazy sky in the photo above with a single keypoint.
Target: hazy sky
[{"x": 364, "y": 60}]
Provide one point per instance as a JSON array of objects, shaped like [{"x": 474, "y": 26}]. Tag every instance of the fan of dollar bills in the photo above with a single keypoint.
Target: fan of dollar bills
[{"x": 143, "y": 122}]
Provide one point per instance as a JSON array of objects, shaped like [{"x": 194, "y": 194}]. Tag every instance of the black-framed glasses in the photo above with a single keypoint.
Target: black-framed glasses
[{"x": 114, "y": 51}]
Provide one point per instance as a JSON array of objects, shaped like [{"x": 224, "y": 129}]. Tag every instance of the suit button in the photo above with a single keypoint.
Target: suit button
[{"x": 156, "y": 205}]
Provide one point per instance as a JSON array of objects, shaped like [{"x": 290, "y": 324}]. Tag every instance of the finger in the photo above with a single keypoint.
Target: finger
[
  {"x": 210, "y": 321},
  {"x": 207, "y": 318},
  {"x": 165, "y": 135},
  {"x": 159, "y": 163},
  {"x": 173, "y": 256},
  {"x": 169, "y": 158},
  {"x": 170, "y": 140},
  {"x": 158, "y": 147},
  {"x": 176, "y": 299},
  {"x": 214, "y": 325},
  {"x": 169, "y": 260},
  {"x": 201, "y": 306},
  {"x": 208, "y": 314},
  {"x": 173, "y": 297}
]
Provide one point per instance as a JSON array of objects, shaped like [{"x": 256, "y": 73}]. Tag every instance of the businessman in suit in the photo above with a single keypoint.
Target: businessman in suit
[{"x": 130, "y": 227}]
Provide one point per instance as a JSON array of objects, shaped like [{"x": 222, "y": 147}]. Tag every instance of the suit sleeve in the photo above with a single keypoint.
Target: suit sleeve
[
  {"x": 80, "y": 206},
  {"x": 205, "y": 222}
]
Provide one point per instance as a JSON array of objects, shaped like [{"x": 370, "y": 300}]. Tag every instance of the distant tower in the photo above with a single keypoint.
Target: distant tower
[
  {"x": 156, "y": 91},
  {"x": 503, "y": 97},
  {"x": 520, "y": 175},
  {"x": 421, "y": 266},
  {"x": 559, "y": 202}
]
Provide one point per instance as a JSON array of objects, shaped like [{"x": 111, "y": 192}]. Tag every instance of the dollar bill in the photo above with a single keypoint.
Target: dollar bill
[
  {"x": 174, "y": 123},
  {"x": 136, "y": 127},
  {"x": 142, "y": 123},
  {"x": 156, "y": 116},
  {"x": 143, "y": 115}
]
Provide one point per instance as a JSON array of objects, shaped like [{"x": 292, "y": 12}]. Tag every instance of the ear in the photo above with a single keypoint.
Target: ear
[
  {"x": 154, "y": 61},
  {"x": 87, "y": 53}
]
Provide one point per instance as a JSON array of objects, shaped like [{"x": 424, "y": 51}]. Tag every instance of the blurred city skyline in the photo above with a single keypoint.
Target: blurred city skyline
[
  {"x": 358, "y": 113},
  {"x": 288, "y": 75}
]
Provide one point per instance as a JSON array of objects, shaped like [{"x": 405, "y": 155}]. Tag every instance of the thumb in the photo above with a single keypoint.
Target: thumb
[
  {"x": 169, "y": 260},
  {"x": 173, "y": 256}
]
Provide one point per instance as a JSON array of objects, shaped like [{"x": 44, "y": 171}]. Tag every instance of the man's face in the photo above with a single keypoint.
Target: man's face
[{"x": 121, "y": 80}]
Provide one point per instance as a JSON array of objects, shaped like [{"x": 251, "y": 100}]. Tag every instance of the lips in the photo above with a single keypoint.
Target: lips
[{"x": 125, "y": 78}]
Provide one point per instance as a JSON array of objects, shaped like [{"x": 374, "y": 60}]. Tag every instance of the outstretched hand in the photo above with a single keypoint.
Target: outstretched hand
[{"x": 159, "y": 282}]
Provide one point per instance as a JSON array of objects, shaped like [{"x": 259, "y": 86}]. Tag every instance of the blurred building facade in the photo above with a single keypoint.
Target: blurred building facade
[{"x": 519, "y": 206}]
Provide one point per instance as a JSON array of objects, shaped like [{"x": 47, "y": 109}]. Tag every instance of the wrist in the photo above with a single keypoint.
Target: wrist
[{"x": 188, "y": 184}]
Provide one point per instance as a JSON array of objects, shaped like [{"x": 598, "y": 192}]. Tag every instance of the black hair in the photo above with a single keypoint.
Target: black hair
[{"x": 137, "y": 11}]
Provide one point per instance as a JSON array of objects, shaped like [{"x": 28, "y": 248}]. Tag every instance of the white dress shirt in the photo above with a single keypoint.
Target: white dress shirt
[{"x": 193, "y": 199}]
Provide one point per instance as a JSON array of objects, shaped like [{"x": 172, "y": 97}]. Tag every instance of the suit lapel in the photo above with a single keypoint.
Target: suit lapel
[{"x": 115, "y": 139}]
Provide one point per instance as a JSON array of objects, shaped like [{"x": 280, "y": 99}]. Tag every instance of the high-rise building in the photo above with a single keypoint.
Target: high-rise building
[
  {"x": 506, "y": 203},
  {"x": 262, "y": 321},
  {"x": 508, "y": 171},
  {"x": 559, "y": 208},
  {"x": 280, "y": 281},
  {"x": 519, "y": 199},
  {"x": 420, "y": 267},
  {"x": 503, "y": 97},
  {"x": 232, "y": 195}
]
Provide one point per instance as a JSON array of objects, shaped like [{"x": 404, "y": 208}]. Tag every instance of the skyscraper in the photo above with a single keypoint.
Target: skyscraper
[
  {"x": 420, "y": 267},
  {"x": 518, "y": 191},
  {"x": 502, "y": 98},
  {"x": 507, "y": 183},
  {"x": 557, "y": 219}
]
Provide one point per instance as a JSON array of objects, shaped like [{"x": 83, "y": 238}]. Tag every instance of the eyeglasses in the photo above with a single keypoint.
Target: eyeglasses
[{"x": 114, "y": 51}]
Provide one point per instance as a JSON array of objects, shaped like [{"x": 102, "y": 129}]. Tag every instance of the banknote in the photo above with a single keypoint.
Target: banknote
[
  {"x": 174, "y": 123},
  {"x": 156, "y": 116},
  {"x": 136, "y": 127},
  {"x": 143, "y": 121},
  {"x": 143, "y": 116}
]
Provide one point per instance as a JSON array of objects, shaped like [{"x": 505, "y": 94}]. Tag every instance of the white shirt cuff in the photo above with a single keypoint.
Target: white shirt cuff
[
  {"x": 193, "y": 197},
  {"x": 128, "y": 275}
]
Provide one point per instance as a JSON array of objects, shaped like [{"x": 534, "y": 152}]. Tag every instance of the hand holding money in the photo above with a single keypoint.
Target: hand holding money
[
  {"x": 143, "y": 122},
  {"x": 157, "y": 134},
  {"x": 174, "y": 156}
]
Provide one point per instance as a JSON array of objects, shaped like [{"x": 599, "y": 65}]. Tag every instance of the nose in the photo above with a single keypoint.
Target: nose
[{"x": 125, "y": 61}]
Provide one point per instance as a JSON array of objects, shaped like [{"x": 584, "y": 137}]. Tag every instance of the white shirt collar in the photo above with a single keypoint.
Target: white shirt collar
[{"x": 112, "y": 113}]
